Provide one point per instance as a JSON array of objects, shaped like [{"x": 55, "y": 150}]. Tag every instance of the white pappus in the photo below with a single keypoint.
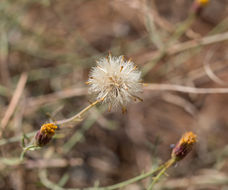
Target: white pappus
[{"x": 115, "y": 80}]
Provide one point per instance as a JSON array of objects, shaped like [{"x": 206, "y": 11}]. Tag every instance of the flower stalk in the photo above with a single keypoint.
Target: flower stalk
[
  {"x": 180, "y": 151},
  {"x": 79, "y": 116},
  {"x": 187, "y": 141},
  {"x": 167, "y": 165},
  {"x": 28, "y": 148},
  {"x": 43, "y": 136}
]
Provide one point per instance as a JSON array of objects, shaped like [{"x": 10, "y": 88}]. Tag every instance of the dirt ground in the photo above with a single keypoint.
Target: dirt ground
[{"x": 47, "y": 48}]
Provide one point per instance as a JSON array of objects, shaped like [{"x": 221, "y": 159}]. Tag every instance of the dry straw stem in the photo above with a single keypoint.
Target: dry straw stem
[
  {"x": 180, "y": 101},
  {"x": 208, "y": 69},
  {"x": 4, "y": 50},
  {"x": 80, "y": 133},
  {"x": 14, "y": 101},
  {"x": 53, "y": 163},
  {"x": 67, "y": 93},
  {"x": 78, "y": 116},
  {"x": 197, "y": 42},
  {"x": 205, "y": 180},
  {"x": 184, "y": 89},
  {"x": 180, "y": 47}
]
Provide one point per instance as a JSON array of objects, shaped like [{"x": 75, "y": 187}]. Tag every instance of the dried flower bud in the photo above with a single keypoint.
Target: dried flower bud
[
  {"x": 45, "y": 134},
  {"x": 184, "y": 146},
  {"x": 116, "y": 80},
  {"x": 203, "y": 2},
  {"x": 198, "y": 5}
]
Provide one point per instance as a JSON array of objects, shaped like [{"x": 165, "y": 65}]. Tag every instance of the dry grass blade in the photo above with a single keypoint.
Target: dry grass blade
[
  {"x": 14, "y": 101},
  {"x": 36, "y": 102},
  {"x": 181, "y": 47},
  {"x": 198, "y": 42},
  {"x": 205, "y": 180},
  {"x": 53, "y": 163},
  {"x": 209, "y": 71},
  {"x": 184, "y": 89}
]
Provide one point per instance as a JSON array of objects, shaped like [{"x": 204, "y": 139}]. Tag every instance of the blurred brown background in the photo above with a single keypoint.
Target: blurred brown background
[{"x": 55, "y": 43}]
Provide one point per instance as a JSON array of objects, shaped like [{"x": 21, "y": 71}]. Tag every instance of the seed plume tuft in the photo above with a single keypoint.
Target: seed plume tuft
[{"x": 116, "y": 80}]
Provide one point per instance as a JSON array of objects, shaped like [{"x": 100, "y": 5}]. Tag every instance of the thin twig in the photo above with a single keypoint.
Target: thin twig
[
  {"x": 79, "y": 115},
  {"x": 155, "y": 179},
  {"x": 53, "y": 163},
  {"x": 49, "y": 184},
  {"x": 208, "y": 69},
  {"x": 181, "y": 47},
  {"x": 67, "y": 93},
  {"x": 205, "y": 180},
  {"x": 181, "y": 102},
  {"x": 184, "y": 89},
  {"x": 4, "y": 51},
  {"x": 14, "y": 101},
  {"x": 197, "y": 42}
]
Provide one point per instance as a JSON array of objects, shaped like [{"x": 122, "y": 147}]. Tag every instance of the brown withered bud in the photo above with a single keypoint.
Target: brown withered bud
[
  {"x": 198, "y": 5},
  {"x": 45, "y": 134},
  {"x": 184, "y": 146}
]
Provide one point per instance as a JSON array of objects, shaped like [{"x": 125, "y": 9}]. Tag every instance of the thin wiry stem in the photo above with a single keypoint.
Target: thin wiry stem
[
  {"x": 184, "y": 89},
  {"x": 166, "y": 166},
  {"x": 14, "y": 102},
  {"x": 79, "y": 115},
  {"x": 30, "y": 147},
  {"x": 132, "y": 180},
  {"x": 181, "y": 29},
  {"x": 49, "y": 184},
  {"x": 15, "y": 138}
]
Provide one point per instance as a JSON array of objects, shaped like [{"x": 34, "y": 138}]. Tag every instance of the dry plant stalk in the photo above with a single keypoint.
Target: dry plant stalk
[
  {"x": 113, "y": 81},
  {"x": 184, "y": 89},
  {"x": 14, "y": 101},
  {"x": 181, "y": 150}
]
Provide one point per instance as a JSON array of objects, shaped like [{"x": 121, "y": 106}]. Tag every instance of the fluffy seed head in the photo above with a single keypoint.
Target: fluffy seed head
[{"x": 116, "y": 80}]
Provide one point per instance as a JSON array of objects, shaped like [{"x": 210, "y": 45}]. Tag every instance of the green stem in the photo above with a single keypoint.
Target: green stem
[
  {"x": 26, "y": 149},
  {"x": 132, "y": 180},
  {"x": 166, "y": 166},
  {"x": 49, "y": 184},
  {"x": 181, "y": 29}
]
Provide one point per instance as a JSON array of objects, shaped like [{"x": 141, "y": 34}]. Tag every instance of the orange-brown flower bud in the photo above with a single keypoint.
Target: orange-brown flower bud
[
  {"x": 45, "y": 134},
  {"x": 184, "y": 146},
  {"x": 198, "y": 5}
]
